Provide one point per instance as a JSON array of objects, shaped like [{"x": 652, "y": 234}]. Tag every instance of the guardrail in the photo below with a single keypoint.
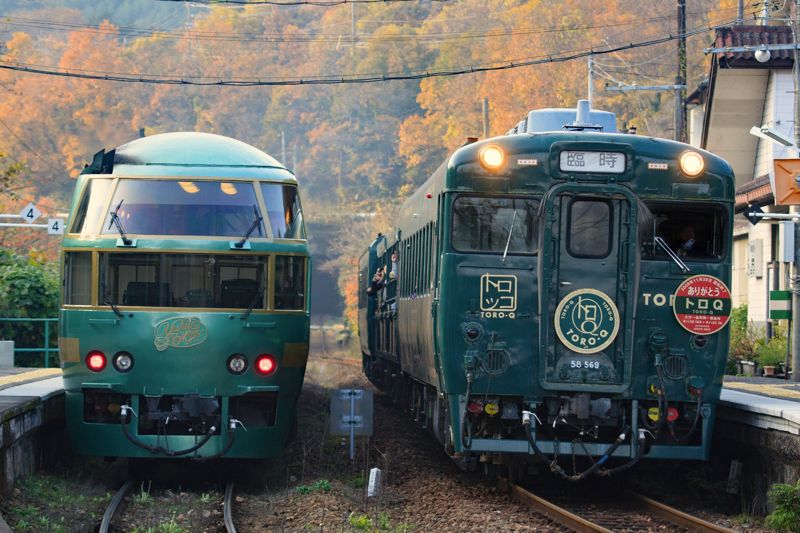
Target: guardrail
[{"x": 46, "y": 348}]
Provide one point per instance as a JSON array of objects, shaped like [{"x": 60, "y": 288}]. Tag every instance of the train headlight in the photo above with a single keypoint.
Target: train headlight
[
  {"x": 122, "y": 361},
  {"x": 692, "y": 164},
  {"x": 237, "y": 363},
  {"x": 265, "y": 364},
  {"x": 96, "y": 360},
  {"x": 492, "y": 156}
]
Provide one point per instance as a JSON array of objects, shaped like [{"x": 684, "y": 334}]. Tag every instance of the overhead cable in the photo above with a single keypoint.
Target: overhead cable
[
  {"x": 341, "y": 79},
  {"x": 202, "y": 35}
]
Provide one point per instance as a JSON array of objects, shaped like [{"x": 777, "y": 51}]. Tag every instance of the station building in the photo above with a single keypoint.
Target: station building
[{"x": 746, "y": 90}]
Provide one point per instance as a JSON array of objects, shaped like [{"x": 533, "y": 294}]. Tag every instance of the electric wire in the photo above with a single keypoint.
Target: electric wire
[
  {"x": 317, "y": 3},
  {"x": 203, "y": 35},
  {"x": 341, "y": 79}
]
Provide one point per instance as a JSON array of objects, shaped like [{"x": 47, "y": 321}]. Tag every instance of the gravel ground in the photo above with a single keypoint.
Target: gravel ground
[{"x": 315, "y": 487}]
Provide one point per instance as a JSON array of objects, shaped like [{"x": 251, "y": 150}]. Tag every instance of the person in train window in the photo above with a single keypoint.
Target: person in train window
[
  {"x": 687, "y": 241},
  {"x": 395, "y": 258},
  {"x": 377, "y": 282}
]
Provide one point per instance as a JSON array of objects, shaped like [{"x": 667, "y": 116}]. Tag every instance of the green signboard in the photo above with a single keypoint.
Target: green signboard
[{"x": 780, "y": 305}]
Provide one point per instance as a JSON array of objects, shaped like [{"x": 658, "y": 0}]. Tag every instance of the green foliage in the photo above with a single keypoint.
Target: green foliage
[
  {"x": 360, "y": 521},
  {"x": 748, "y": 343},
  {"x": 323, "y": 485},
  {"x": 358, "y": 481},
  {"x": 28, "y": 289},
  {"x": 144, "y": 495},
  {"x": 772, "y": 353},
  {"x": 786, "y": 499}
]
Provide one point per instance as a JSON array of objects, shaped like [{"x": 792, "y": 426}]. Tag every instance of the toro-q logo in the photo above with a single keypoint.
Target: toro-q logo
[
  {"x": 498, "y": 296},
  {"x": 179, "y": 332},
  {"x": 587, "y": 321}
]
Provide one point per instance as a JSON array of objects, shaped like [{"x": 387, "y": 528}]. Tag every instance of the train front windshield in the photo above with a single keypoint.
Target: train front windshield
[{"x": 210, "y": 208}]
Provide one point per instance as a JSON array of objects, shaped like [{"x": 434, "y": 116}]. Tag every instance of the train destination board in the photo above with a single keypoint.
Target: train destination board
[
  {"x": 603, "y": 162},
  {"x": 702, "y": 304}
]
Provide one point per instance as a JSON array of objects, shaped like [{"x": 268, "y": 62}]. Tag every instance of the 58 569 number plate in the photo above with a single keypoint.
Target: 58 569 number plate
[{"x": 603, "y": 162}]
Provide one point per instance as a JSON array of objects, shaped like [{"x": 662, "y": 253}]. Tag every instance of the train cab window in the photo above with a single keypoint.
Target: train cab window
[
  {"x": 90, "y": 208},
  {"x": 290, "y": 280},
  {"x": 693, "y": 232},
  {"x": 483, "y": 224},
  {"x": 203, "y": 208},
  {"x": 283, "y": 210},
  {"x": 77, "y": 278},
  {"x": 589, "y": 233},
  {"x": 183, "y": 280}
]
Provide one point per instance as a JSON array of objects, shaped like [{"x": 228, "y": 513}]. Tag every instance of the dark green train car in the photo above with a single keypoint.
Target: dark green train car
[
  {"x": 558, "y": 292},
  {"x": 185, "y": 312}
]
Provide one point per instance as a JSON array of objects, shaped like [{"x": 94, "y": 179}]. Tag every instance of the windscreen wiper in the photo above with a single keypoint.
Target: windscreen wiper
[
  {"x": 109, "y": 301},
  {"x": 510, "y": 231},
  {"x": 253, "y": 227},
  {"x": 116, "y": 222},
  {"x": 252, "y": 304},
  {"x": 678, "y": 261}
]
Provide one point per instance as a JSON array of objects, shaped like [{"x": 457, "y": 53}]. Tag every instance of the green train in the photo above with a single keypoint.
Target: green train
[
  {"x": 185, "y": 313},
  {"x": 559, "y": 292}
]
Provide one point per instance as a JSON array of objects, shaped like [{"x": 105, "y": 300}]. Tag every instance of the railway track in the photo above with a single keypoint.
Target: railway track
[
  {"x": 119, "y": 498},
  {"x": 630, "y": 512}
]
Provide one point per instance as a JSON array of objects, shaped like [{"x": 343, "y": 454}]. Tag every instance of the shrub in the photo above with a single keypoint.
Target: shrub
[
  {"x": 28, "y": 289},
  {"x": 786, "y": 499}
]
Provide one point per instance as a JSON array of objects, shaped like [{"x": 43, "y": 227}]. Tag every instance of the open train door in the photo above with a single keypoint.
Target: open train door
[{"x": 588, "y": 283}]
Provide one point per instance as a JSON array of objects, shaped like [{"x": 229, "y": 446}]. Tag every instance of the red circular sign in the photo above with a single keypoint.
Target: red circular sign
[{"x": 702, "y": 304}]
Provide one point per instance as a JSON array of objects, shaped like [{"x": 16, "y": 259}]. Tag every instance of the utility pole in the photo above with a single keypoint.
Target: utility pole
[
  {"x": 795, "y": 330},
  {"x": 283, "y": 148},
  {"x": 485, "y": 118},
  {"x": 680, "y": 80},
  {"x": 590, "y": 83}
]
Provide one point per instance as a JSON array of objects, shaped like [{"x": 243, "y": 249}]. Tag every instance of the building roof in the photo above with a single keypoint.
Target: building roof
[
  {"x": 734, "y": 36},
  {"x": 753, "y": 192}
]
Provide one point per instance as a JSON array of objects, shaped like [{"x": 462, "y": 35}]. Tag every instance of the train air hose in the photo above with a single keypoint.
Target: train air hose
[
  {"x": 663, "y": 408},
  {"x": 159, "y": 449},
  {"x": 556, "y": 468},
  {"x": 466, "y": 427}
]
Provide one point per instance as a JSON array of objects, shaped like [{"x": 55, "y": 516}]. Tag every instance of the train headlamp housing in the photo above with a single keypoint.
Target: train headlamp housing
[
  {"x": 96, "y": 360},
  {"x": 237, "y": 364},
  {"x": 492, "y": 157},
  {"x": 265, "y": 364},
  {"x": 122, "y": 361},
  {"x": 692, "y": 164}
]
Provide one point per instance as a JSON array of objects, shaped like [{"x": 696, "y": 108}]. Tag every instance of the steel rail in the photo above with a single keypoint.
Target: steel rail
[
  {"x": 555, "y": 513},
  {"x": 675, "y": 516},
  {"x": 112, "y": 508},
  {"x": 228, "y": 509}
]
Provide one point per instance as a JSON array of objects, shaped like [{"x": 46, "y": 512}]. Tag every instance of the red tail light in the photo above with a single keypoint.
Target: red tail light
[
  {"x": 96, "y": 360},
  {"x": 265, "y": 364}
]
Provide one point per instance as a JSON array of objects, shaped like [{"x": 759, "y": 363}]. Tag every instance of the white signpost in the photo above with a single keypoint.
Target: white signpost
[
  {"x": 54, "y": 226},
  {"x": 29, "y": 213}
]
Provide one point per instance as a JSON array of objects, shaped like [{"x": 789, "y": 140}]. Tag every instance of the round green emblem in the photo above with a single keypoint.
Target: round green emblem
[{"x": 587, "y": 321}]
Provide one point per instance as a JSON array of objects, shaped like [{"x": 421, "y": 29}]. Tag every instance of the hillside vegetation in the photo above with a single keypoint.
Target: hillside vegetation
[{"x": 356, "y": 148}]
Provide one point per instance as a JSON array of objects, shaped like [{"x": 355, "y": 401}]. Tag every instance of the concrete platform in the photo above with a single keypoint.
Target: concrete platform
[{"x": 31, "y": 421}]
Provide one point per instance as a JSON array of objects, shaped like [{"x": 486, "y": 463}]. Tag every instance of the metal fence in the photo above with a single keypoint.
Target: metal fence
[{"x": 47, "y": 348}]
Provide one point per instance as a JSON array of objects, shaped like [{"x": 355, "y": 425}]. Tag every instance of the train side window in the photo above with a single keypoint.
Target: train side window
[
  {"x": 482, "y": 224},
  {"x": 90, "y": 208},
  {"x": 290, "y": 278},
  {"x": 77, "y": 278},
  {"x": 589, "y": 233},
  {"x": 283, "y": 210},
  {"x": 695, "y": 232},
  {"x": 183, "y": 280}
]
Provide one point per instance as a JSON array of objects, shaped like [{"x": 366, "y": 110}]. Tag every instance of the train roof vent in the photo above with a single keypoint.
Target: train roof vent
[{"x": 582, "y": 119}]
